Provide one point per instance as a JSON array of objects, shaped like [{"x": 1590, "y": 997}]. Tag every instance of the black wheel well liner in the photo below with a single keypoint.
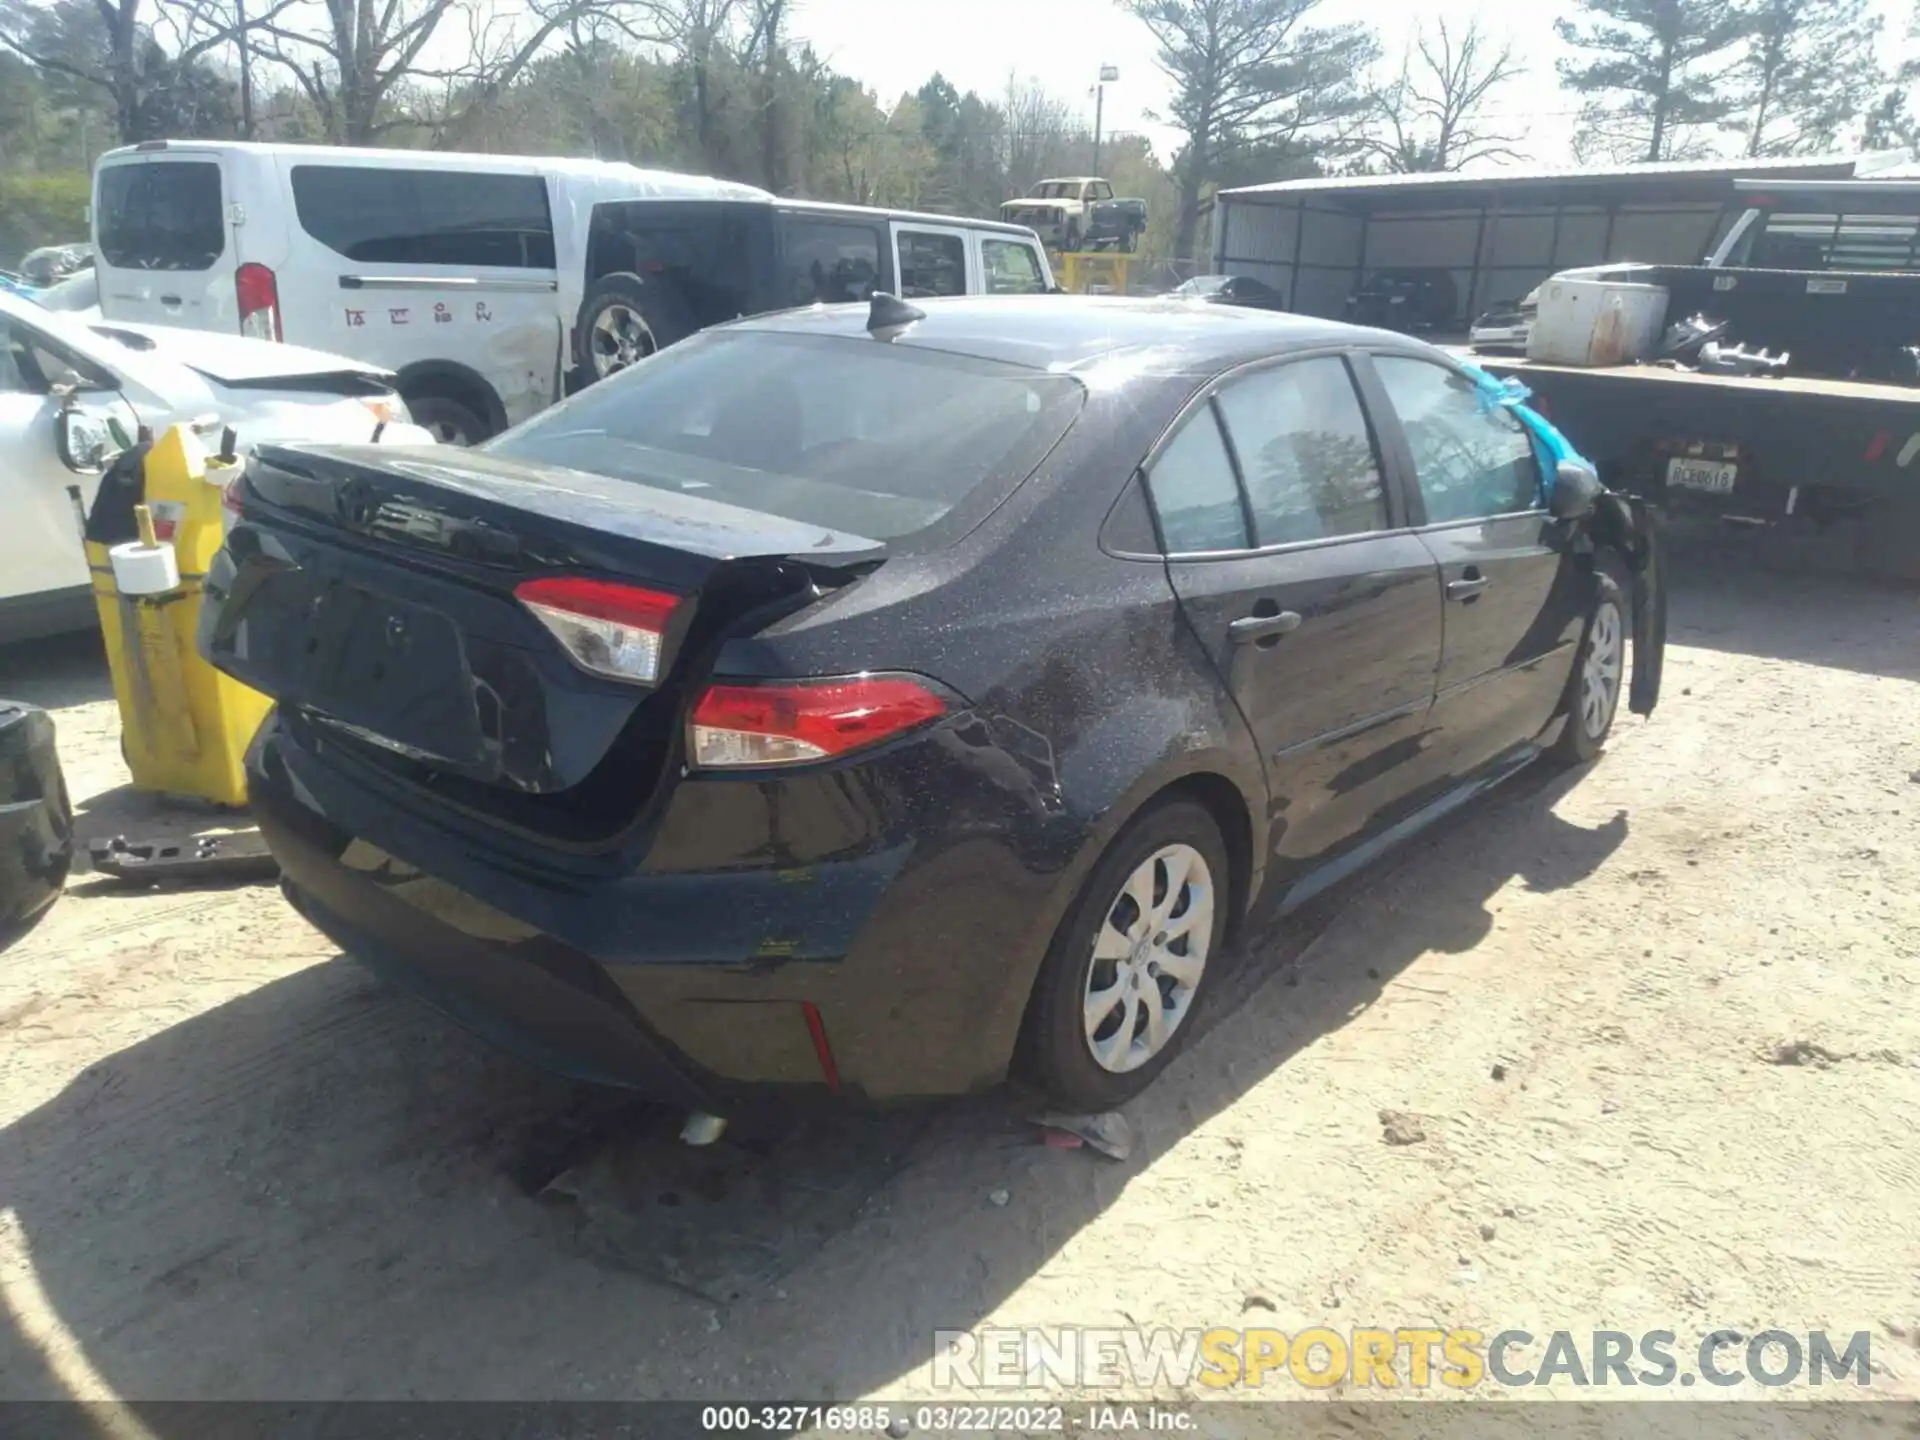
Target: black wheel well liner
[
  {"x": 1222, "y": 799},
  {"x": 450, "y": 380}
]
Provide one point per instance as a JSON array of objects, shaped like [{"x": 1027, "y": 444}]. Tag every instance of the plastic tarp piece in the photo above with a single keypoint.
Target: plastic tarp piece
[{"x": 1513, "y": 395}]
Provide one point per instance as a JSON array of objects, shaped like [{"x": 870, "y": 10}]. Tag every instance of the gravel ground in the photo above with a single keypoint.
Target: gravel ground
[{"x": 1649, "y": 1035}]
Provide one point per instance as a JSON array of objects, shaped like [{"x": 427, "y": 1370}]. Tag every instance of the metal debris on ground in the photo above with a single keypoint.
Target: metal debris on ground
[
  {"x": 205, "y": 860},
  {"x": 1107, "y": 1132}
]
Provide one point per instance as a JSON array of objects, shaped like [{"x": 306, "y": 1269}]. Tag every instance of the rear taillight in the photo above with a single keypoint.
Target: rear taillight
[
  {"x": 258, "y": 292},
  {"x": 230, "y": 498},
  {"x": 606, "y": 628},
  {"x": 792, "y": 722}
]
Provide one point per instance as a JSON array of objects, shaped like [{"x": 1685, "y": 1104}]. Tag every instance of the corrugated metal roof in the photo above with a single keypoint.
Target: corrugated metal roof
[{"x": 1494, "y": 179}]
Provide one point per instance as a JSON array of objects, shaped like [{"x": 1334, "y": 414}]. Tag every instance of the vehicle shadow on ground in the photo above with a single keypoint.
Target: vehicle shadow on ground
[
  {"x": 316, "y": 1190},
  {"x": 57, "y": 672},
  {"x": 1773, "y": 598}
]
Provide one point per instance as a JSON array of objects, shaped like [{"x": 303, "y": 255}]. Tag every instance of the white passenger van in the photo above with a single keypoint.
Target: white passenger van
[
  {"x": 459, "y": 272},
  {"x": 468, "y": 275}
]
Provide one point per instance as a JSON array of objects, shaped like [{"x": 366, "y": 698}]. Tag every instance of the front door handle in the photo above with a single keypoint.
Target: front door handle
[
  {"x": 1263, "y": 627},
  {"x": 1467, "y": 588}
]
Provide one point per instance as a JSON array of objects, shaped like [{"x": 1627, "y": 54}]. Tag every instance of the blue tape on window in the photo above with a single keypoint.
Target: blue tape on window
[{"x": 1492, "y": 391}]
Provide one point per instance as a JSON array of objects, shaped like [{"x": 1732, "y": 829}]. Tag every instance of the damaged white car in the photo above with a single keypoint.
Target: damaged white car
[{"x": 154, "y": 376}]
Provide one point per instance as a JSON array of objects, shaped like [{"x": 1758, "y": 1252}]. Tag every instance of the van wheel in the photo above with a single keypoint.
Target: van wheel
[
  {"x": 451, "y": 422},
  {"x": 1115, "y": 996},
  {"x": 626, "y": 319}
]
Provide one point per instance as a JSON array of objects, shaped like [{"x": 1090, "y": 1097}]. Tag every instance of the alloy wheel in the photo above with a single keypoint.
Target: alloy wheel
[
  {"x": 620, "y": 338},
  {"x": 1148, "y": 957},
  {"x": 1601, "y": 668}
]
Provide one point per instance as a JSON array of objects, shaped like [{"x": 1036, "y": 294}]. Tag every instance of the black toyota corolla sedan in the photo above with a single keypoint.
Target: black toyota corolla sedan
[{"x": 874, "y": 700}]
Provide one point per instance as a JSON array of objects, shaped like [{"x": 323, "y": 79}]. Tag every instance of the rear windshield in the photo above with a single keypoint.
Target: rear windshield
[
  {"x": 1809, "y": 240},
  {"x": 857, "y": 435},
  {"x": 162, "y": 215}
]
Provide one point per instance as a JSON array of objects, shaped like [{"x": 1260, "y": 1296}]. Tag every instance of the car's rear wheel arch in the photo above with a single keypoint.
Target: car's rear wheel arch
[
  {"x": 1228, "y": 806},
  {"x": 1216, "y": 793}
]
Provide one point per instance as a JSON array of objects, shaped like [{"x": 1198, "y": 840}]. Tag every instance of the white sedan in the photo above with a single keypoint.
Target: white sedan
[{"x": 137, "y": 375}]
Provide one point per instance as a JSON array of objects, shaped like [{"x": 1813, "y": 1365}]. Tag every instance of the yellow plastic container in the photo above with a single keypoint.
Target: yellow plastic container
[
  {"x": 185, "y": 726},
  {"x": 1096, "y": 272}
]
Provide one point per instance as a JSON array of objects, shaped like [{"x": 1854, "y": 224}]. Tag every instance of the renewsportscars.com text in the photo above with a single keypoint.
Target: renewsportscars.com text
[{"x": 1401, "y": 1358}]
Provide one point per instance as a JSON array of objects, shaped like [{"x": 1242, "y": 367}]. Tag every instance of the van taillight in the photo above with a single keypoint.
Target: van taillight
[{"x": 259, "y": 296}]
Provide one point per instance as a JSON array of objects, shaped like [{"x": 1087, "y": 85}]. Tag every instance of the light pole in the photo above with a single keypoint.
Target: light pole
[{"x": 1108, "y": 74}]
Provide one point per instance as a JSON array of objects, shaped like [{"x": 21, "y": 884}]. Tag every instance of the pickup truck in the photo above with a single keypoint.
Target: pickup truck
[
  {"x": 1811, "y": 416},
  {"x": 1079, "y": 212}
]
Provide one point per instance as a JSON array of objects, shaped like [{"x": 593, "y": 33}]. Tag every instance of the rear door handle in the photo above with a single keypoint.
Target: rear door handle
[
  {"x": 1262, "y": 627},
  {"x": 1467, "y": 589}
]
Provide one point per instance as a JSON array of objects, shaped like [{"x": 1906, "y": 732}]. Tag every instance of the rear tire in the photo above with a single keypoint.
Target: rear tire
[
  {"x": 626, "y": 318},
  {"x": 1073, "y": 236},
  {"x": 1115, "y": 997},
  {"x": 453, "y": 422},
  {"x": 1600, "y": 673}
]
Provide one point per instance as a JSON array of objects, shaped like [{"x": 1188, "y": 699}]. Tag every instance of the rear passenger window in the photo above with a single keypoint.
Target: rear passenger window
[
  {"x": 1473, "y": 459},
  {"x": 932, "y": 264},
  {"x": 426, "y": 217},
  {"x": 1303, "y": 446},
  {"x": 1011, "y": 268},
  {"x": 1194, "y": 490},
  {"x": 827, "y": 263},
  {"x": 701, "y": 250},
  {"x": 162, "y": 215}
]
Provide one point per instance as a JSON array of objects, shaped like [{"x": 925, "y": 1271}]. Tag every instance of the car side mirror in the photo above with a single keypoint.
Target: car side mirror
[
  {"x": 87, "y": 443},
  {"x": 1576, "y": 491}
]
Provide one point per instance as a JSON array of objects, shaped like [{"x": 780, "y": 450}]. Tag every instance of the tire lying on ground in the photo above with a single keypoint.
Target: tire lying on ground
[
  {"x": 36, "y": 821},
  {"x": 624, "y": 319}
]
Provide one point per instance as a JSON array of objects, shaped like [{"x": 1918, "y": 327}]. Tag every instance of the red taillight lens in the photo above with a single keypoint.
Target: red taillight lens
[
  {"x": 792, "y": 722},
  {"x": 230, "y": 498},
  {"x": 258, "y": 292},
  {"x": 607, "y": 628}
]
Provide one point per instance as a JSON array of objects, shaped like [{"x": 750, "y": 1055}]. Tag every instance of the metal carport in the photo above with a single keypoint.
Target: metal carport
[{"x": 1499, "y": 234}]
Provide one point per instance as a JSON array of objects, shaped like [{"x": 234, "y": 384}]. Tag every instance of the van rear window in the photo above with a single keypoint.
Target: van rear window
[
  {"x": 426, "y": 217},
  {"x": 870, "y": 439},
  {"x": 162, "y": 215}
]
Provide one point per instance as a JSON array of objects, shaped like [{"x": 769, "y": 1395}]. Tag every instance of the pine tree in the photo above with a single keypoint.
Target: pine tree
[
  {"x": 1250, "y": 75},
  {"x": 1657, "y": 72},
  {"x": 1808, "y": 74}
]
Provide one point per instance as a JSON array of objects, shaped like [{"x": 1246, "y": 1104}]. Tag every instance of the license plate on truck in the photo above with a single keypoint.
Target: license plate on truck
[{"x": 1713, "y": 476}]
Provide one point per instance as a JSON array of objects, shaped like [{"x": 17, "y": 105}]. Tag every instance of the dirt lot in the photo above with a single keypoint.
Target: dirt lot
[{"x": 234, "y": 1166}]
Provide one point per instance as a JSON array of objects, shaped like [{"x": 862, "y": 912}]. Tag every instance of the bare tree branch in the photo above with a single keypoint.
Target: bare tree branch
[{"x": 1429, "y": 117}]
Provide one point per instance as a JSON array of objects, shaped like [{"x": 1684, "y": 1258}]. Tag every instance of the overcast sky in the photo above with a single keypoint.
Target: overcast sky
[{"x": 894, "y": 45}]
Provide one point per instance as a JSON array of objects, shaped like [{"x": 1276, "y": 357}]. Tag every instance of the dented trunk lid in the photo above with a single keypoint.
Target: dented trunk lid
[{"x": 370, "y": 592}]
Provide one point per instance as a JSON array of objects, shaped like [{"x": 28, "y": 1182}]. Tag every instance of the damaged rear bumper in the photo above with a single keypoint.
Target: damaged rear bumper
[
  {"x": 36, "y": 821},
  {"x": 1636, "y": 529},
  {"x": 830, "y": 941}
]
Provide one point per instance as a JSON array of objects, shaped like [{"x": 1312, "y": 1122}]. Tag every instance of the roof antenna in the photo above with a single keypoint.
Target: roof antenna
[{"x": 890, "y": 315}]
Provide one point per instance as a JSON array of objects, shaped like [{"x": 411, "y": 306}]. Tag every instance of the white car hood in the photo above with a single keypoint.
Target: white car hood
[{"x": 233, "y": 359}]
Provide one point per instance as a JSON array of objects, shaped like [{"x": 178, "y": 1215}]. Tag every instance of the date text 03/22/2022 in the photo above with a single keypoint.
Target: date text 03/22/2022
[{"x": 969, "y": 1419}]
